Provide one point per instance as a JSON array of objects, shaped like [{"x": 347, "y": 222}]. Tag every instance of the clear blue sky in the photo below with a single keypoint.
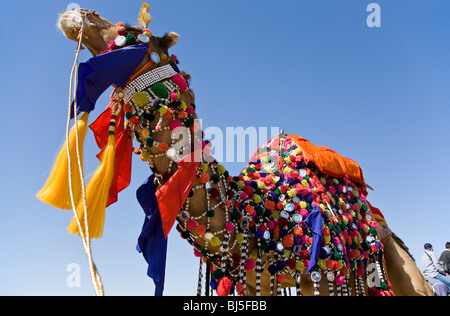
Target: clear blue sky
[{"x": 379, "y": 96}]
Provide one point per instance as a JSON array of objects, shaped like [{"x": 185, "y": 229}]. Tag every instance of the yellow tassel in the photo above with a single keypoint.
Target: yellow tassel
[
  {"x": 97, "y": 192},
  {"x": 56, "y": 191},
  {"x": 144, "y": 17}
]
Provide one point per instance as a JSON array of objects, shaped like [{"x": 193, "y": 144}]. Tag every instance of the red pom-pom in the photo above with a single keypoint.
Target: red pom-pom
[
  {"x": 224, "y": 287},
  {"x": 214, "y": 193}
]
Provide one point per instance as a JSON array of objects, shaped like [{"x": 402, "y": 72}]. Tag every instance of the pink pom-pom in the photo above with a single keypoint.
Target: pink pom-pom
[
  {"x": 180, "y": 82},
  {"x": 192, "y": 224},
  {"x": 197, "y": 253},
  {"x": 304, "y": 212},
  {"x": 249, "y": 265},
  {"x": 229, "y": 227},
  {"x": 271, "y": 225},
  {"x": 224, "y": 287},
  {"x": 339, "y": 280},
  {"x": 112, "y": 45},
  {"x": 174, "y": 124},
  {"x": 360, "y": 271},
  {"x": 122, "y": 32},
  {"x": 190, "y": 110},
  {"x": 173, "y": 96},
  {"x": 244, "y": 196}
]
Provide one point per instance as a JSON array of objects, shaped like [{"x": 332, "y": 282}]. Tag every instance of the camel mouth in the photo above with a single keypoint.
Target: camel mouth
[
  {"x": 94, "y": 28},
  {"x": 70, "y": 23}
]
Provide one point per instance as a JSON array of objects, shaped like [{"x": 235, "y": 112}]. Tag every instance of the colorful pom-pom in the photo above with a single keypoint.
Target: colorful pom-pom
[{"x": 180, "y": 81}]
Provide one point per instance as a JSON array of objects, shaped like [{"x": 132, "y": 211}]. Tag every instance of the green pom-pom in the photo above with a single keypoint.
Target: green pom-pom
[
  {"x": 372, "y": 231},
  {"x": 160, "y": 90},
  {"x": 189, "y": 122},
  {"x": 215, "y": 178},
  {"x": 218, "y": 274},
  {"x": 336, "y": 255},
  {"x": 131, "y": 39},
  {"x": 210, "y": 213},
  {"x": 149, "y": 142},
  {"x": 259, "y": 210},
  {"x": 204, "y": 252},
  {"x": 235, "y": 215}
]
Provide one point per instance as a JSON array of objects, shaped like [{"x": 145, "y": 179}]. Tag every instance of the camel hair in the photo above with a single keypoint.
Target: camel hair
[{"x": 288, "y": 220}]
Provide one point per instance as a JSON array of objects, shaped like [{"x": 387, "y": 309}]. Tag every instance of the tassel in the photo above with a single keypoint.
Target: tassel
[
  {"x": 144, "y": 17},
  {"x": 97, "y": 190},
  {"x": 56, "y": 191}
]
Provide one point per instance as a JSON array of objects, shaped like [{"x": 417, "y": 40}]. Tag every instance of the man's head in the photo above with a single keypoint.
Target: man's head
[
  {"x": 428, "y": 246},
  {"x": 447, "y": 245}
]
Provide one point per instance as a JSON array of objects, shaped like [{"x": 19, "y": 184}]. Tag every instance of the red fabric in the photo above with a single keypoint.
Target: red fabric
[
  {"x": 378, "y": 216},
  {"x": 172, "y": 195},
  {"x": 124, "y": 151}
]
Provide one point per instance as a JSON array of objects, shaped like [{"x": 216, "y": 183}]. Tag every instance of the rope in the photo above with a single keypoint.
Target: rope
[{"x": 95, "y": 276}]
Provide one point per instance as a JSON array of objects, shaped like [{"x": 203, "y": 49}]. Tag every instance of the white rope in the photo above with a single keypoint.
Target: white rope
[{"x": 95, "y": 276}]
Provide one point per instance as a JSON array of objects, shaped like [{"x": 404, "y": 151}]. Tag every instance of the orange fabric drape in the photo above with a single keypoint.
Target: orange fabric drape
[{"x": 330, "y": 162}]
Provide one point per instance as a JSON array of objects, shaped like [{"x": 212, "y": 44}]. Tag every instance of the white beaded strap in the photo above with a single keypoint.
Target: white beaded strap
[{"x": 148, "y": 79}]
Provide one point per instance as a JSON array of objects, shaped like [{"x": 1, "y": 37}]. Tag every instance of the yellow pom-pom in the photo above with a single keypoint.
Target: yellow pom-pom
[
  {"x": 261, "y": 185},
  {"x": 215, "y": 242},
  {"x": 221, "y": 169},
  {"x": 240, "y": 184},
  {"x": 145, "y": 156},
  {"x": 141, "y": 99},
  {"x": 163, "y": 110},
  {"x": 254, "y": 253},
  {"x": 322, "y": 263},
  {"x": 256, "y": 198},
  {"x": 292, "y": 193},
  {"x": 300, "y": 266},
  {"x": 204, "y": 167},
  {"x": 298, "y": 151},
  {"x": 239, "y": 238}
]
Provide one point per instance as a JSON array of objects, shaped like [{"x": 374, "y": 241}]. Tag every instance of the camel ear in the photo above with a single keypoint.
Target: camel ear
[{"x": 169, "y": 39}]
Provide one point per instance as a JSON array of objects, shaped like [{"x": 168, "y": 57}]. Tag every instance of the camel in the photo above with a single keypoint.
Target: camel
[{"x": 284, "y": 222}]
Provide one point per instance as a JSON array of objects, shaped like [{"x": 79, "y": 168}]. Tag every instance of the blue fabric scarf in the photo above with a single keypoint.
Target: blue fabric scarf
[
  {"x": 100, "y": 72},
  {"x": 152, "y": 243},
  {"x": 314, "y": 221}
]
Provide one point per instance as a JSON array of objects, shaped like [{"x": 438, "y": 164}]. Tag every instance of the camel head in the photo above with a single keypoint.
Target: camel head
[{"x": 99, "y": 33}]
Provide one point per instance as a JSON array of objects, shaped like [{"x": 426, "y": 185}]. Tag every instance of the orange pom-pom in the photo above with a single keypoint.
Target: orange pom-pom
[{"x": 163, "y": 146}]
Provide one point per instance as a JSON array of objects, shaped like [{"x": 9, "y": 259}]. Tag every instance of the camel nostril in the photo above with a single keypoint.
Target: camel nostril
[{"x": 69, "y": 21}]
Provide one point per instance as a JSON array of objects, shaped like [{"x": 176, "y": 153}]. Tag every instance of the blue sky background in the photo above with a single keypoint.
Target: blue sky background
[{"x": 379, "y": 96}]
